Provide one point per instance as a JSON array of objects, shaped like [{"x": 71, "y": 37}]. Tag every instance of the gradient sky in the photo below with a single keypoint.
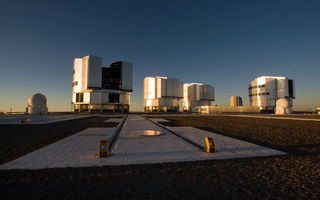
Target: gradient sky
[{"x": 223, "y": 43}]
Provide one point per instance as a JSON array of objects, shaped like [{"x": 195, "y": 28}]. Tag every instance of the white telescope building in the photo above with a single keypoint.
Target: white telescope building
[
  {"x": 197, "y": 94},
  {"x": 163, "y": 94},
  {"x": 264, "y": 92},
  {"x": 235, "y": 101},
  {"x": 99, "y": 88}
]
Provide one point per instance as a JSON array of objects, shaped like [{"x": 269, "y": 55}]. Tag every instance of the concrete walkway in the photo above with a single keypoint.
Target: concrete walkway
[{"x": 164, "y": 148}]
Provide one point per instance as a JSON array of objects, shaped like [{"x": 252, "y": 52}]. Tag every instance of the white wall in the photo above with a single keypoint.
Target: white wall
[
  {"x": 73, "y": 97},
  {"x": 174, "y": 88},
  {"x": 86, "y": 97},
  {"x": 149, "y": 87},
  {"x": 170, "y": 86},
  {"x": 93, "y": 64},
  {"x": 77, "y": 75},
  {"x": 124, "y": 98},
  {"x": 95, "y": 98},
  {"x": 105, "y": 97}
]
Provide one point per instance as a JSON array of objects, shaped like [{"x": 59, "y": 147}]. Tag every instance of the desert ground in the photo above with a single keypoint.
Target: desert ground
[{"x": 293, "y": 176}]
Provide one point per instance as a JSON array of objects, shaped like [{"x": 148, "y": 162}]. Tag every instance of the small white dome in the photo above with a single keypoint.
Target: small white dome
[
  {"x": 283, "y": 102},
  {"x": 284, "y": 106},
  {"x": 37, "y": 105},
  {"x": 37, "y": 100}
]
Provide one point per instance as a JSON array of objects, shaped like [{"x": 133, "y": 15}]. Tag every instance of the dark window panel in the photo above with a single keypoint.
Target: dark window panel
[
  {"x": 290, "y": 84},
  {"x": 111, "y": 76},
  {"x": 114, "y": 98}
]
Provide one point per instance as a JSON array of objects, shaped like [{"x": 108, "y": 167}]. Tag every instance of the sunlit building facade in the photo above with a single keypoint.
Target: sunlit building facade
[
  {"x": 235, "y": 101},
  {"x": 197, "y": 94},
  {"x": 99, "y": 88},
  {"x": 163, "y": 94},
  {"x": 264, "y": 91}
]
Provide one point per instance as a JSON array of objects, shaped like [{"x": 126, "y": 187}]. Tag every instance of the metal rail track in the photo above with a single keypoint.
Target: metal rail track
[
  {"x": 176, "y": 134},
  {"x": 114, "y": 137}
]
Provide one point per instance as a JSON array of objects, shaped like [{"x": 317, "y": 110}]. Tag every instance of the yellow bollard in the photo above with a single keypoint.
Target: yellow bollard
[
  {"x": 23, "y": 120},
  {"x": 104, "y": 148},
  {"x": 210, "y": 145}
]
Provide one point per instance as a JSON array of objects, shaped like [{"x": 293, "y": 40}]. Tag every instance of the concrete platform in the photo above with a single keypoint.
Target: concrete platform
[
  {"x": 78, "y": 150},
  {"x": 81, "y": 149},
  {"x": 226, "y": 147},
  {"x": 160, "y": 120},
  {"x": 114, "y": 120}
]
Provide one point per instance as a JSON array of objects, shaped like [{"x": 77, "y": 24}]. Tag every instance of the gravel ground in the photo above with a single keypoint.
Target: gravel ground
[
  {"x": 310, "y": 116},
  {"x": 287, "y": 177},
  {"x": 295, "y": 176}
]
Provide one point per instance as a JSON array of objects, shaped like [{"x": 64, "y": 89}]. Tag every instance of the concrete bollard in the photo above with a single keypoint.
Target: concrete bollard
[{"x": 23, "y": 120}]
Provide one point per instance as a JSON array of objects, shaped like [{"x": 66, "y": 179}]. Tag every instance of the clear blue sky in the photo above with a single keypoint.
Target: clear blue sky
[{"x": 223, "y": 43}]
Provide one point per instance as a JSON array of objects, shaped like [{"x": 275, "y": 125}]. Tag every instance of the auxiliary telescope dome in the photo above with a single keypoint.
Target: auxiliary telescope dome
[
  {"x": 37, "y": 99},
  {"x": 37, "y": 105},
  {"x": 284, "y": 106}
]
